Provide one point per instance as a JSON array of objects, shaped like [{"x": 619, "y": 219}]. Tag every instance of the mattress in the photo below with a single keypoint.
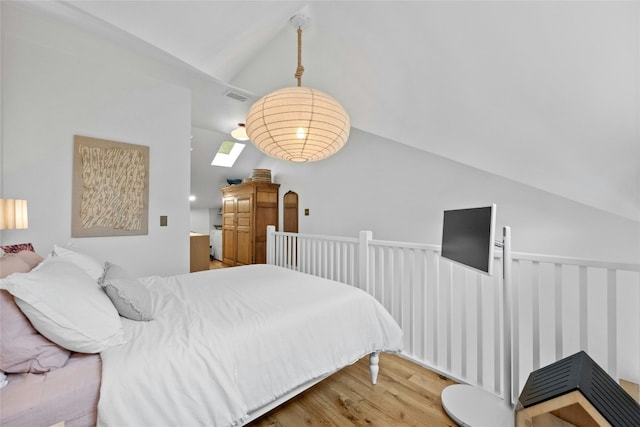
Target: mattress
[{"x": 68, "y": 394}]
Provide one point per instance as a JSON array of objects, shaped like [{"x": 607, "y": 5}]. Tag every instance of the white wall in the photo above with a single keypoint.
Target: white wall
[
  {"x": 399, "y": 193},
  {"x": 58, "y": 81},
  {"x": 200, "y": 221}
]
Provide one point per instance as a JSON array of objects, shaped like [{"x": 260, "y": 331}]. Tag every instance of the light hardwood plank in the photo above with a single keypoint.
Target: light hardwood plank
[
  {"x": 406, "y": 395},
  {"x": 631, "y": 388}
]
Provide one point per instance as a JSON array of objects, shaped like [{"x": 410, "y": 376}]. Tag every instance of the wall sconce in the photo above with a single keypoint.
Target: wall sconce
[{"x": 13, "y": 214}]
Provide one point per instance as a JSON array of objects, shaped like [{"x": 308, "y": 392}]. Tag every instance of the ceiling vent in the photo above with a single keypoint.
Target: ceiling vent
[{"x": 235, "y": 95}]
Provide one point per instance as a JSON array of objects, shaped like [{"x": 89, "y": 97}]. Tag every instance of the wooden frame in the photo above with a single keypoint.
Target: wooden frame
[
  {"x": 570, "y": 409},
  {"x": 110, "y": 188},
  {"x": 374, "y": 369}
]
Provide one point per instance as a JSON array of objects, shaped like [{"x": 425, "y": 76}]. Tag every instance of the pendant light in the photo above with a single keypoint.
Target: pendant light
[
  {"x": 240, "y": 133},
  {"x": 298, "y": 124}
]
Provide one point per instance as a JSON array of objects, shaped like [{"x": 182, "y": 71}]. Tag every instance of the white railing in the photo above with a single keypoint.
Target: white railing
[{"x": 451, "y": 315}]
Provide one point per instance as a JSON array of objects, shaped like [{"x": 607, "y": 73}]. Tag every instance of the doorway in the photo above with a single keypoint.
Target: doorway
[{"x": 290, "y": 212}]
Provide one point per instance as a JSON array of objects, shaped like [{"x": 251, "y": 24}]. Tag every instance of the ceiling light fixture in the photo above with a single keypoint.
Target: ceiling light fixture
[
  {"x": 240, "y": 133},
  {"x": 298, "y": 124}
]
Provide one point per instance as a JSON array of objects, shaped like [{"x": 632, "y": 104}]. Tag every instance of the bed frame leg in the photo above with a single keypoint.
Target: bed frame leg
[{"x": 374, "y": 368}]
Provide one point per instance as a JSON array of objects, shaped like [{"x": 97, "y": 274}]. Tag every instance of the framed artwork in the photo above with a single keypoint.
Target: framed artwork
[{"x": 110, "y": 188}]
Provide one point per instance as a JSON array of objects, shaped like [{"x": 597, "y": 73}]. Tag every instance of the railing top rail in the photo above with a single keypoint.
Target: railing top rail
[
  {"x": 576, "y": 261},
  {"x": 419, "y": 246},
  {"x": 522, "y": 256},
  {"x": 317, "y": 237}
]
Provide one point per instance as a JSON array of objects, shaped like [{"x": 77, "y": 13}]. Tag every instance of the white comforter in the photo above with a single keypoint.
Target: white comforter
[{"x": 226, "y": 342}]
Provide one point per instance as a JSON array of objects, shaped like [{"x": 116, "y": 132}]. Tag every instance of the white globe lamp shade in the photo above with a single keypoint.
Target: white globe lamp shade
[{"x": 298, "y": 124}]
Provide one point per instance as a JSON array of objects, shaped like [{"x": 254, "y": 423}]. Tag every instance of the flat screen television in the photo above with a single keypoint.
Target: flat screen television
[{"x": 468, "y": 237}]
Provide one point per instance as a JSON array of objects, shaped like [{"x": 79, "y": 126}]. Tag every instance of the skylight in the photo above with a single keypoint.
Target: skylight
[{"x": 227, "y": 154}]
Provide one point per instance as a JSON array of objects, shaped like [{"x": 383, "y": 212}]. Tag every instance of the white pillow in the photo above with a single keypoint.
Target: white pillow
[
  {"x": 88, "y": 264},
  {"x": 63, "y": 304}
]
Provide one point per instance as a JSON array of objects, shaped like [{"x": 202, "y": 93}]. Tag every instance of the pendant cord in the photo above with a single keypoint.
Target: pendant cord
[{"x": 300, "y": 68}]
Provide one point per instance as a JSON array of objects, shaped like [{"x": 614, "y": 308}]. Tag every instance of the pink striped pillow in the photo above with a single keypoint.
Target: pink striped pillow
[{"x": 14, "y": 249}]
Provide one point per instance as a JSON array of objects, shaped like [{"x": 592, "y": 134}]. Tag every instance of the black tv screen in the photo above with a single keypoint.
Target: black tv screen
[{"x": 468, "y": 237}]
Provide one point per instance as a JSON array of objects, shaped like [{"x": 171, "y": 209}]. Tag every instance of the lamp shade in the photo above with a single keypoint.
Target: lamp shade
[
  {"x": 240, "y": 133},
  {"x": 13, "y": 214},
  {"x": 298, "y": 124}
]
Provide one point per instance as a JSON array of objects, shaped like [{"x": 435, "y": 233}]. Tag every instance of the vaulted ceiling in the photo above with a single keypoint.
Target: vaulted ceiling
[{"x": 544, "y": 93}]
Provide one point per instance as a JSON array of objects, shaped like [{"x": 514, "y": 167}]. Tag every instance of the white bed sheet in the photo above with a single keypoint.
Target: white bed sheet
[{"x": 226, "y": 342}]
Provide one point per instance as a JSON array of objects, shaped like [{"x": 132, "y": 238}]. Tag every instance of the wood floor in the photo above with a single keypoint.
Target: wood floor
[
  {"x": 214, "y": 264},
  {"x": 406, "y": 395}
]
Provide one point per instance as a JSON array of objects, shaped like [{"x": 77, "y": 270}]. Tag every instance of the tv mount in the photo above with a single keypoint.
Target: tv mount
[{"x": 471, "y": 406}]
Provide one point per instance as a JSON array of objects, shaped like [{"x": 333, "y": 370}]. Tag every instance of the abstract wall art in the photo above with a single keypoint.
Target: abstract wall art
[{"x": 110, "y": 188}]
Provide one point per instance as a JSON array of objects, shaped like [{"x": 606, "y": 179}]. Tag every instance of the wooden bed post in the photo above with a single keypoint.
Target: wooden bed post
[{"x": 374, "y": 368}]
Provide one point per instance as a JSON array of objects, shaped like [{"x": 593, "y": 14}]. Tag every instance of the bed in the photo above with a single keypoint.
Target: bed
[{"x": 218, "y": 347}]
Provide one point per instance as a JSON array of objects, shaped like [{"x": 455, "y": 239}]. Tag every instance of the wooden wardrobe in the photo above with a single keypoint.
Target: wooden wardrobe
[{"x": 247, "y": 209}]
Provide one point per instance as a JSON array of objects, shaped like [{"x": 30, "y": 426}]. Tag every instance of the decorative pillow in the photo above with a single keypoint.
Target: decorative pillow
[
  {"x": 61, "y": 303},
  {"x": 11, "y": 263},
  {"x": 31, "y": 258},
  {"x": 128, "y": 295},
  {"x": 88, "y": 264},
  {"x": 14, "y": 249},
  {"x": 22, "y": 348}
]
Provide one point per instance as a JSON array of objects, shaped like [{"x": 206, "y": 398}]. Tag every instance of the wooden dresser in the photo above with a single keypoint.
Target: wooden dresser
[{"x": 247, "y": 209}]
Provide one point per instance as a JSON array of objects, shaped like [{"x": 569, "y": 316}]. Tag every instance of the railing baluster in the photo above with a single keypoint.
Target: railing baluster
[
  {"x": 557, "y": 286},
  {"x": 463, "y": 327},
  {"x": 435, "y": 306},
  {"x": 424, "y": 303},
  {"x": 515, "y": 326},
  {"x": 297, "y": 247},
  {"x": 421, "y": 307},
  {"x": 584, "y": 309},
  {"x": 287, "y": 250},
  {"x": 311, "y": 267},
  {"x": 535, "y": 311},
  {"x": 390, "y": 264},
  {"x": 414, "y": 298},
  {"x": 398, "y": 292},
  {"x": 479, "y": 331},
  {"x": 612, "y": 330},
  {"x": 449, "y": 318},
  {"x": 317, "y": 249},
  {"x": 340, "y": 262},
  {"x": 380, "y": 264}
]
